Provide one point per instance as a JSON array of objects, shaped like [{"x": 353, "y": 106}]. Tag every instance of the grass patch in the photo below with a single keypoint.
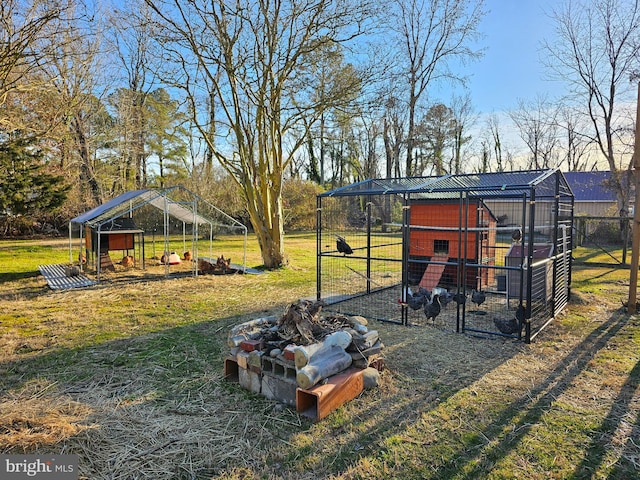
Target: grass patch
[{"x": 128, "y": 375}]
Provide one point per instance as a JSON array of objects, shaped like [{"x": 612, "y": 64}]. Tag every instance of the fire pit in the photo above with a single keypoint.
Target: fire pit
[{"x": 304, "y": 359}]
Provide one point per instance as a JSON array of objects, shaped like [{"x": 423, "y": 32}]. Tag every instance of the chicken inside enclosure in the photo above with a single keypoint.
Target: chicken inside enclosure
[
  {"x": 512, "y": 325},
  {"x": 516, "y": 236},
  {"x": 416, "y": 300},
  {"x": 342, "y": 246},
  {"x": 433, "y": 308},
  {"x": 460, "y": 298},
  {"x": 222, "y": 265},
  {"x": 478, "y": 297}
]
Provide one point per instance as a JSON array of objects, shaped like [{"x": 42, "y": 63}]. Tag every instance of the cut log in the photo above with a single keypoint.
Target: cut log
[
  {"x": 333, "y": 360},
  {"x": 304, "y": 353},
  {"x": 251, "y": 330},
  {"x": 363, "y": 342}
]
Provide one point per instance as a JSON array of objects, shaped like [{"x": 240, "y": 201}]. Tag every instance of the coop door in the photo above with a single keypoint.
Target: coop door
[{"x": 441, "y": 248}]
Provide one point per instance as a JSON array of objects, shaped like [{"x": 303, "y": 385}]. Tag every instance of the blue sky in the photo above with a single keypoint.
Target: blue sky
[{"x": 510, "y": 68}]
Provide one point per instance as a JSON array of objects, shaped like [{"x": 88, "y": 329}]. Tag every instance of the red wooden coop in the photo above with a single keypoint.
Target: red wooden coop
[{"x": 447, "y": 240}]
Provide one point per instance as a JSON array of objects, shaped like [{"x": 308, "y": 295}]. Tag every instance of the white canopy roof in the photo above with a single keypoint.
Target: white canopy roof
[{"x": 132, "y": 200}]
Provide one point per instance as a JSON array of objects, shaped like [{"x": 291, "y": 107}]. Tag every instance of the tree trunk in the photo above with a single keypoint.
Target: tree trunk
[
  {"x": 265, "y": 208},
  {"x": 270, "y": 238},
  {"x": 411, "y": 133},
  {"x": 86, "y": 169}
]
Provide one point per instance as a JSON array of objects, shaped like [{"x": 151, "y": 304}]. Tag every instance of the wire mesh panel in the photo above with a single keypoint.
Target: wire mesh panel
[
  {"x": 486, "y": 254},
  {"x": 360, "y": 255},
  {"x": 159, "y": 227}
]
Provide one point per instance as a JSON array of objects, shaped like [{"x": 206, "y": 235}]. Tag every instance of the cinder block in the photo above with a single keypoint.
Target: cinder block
[
  {"x": 249, "y": 380},
  {"x": 243, "y": 359},
  {"x": 255, "y": 363},
  {"x": 285, "y": 369},
  {"x": 231, "y": 369},
  {"x": 279, "y": 367},
  {"x": 268, "y": 363},
  {"x": 279, "y": 388}
]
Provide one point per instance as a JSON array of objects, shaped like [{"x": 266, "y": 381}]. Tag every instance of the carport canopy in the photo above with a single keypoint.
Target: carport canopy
[{"x": 176, "y": 202}]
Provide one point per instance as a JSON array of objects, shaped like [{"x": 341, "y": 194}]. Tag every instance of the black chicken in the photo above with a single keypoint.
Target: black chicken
[
  {"x": 520, "y": 314},
  {"x": 460, "y": 298},
  {"x": 478, "y": 297},
  {"x": 507, "y": 326},
  {"x": 425, "y": 293},
  {"x": 510, "y": 326},
  {"x": 342, "y": 246},
  {"x": 445, "y": 299},
  {"x": 516, "y": 236},
  {"x": 432, "y": 308},
  {"x": 416, "y": 300}
]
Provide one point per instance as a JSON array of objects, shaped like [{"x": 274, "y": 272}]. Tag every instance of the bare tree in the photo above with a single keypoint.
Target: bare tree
[
  {"x": 537, "y": 125},
  {"x": 596, "y": 50},
  {"x": 432, "y": 34},
  {"x": 493, "y": 153},
  {"x": 246, "y": 55},
  {"x": 577, "y": 147},
  {"x": 464, "y": 117},
  {"x": 493, "y": 142},
  {"x": 132, "y": 39},
  {"x": 326, "y": 76},
  {"x": 393, "y": 131},
  {"x": 72, "y": 70},
  {"x": 22, "y": 27}
]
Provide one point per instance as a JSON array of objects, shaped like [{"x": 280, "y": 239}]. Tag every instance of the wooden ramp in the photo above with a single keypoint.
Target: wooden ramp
[
  {"x": 433, "y": 273},
  {"x": 58, "y": 280},
  {"x": 106, "y": 263}
]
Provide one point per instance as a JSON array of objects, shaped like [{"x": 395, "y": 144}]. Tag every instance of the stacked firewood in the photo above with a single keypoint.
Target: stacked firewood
[{"x": 319, "y": 345}]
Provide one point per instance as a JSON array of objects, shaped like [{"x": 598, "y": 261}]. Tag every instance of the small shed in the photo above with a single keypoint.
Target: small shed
[
  {"x": 134, "y": 221},
  {"x": 442, "y": 234}
]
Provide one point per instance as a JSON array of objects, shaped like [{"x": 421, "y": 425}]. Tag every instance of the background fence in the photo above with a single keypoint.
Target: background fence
[{"x": 602, "y": 241}]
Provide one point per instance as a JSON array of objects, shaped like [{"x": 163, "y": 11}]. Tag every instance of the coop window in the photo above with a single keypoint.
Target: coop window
[{"x": 441, "y": 247}]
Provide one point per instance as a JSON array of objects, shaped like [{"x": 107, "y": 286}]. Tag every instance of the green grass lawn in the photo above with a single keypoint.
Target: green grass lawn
[{"x": 129, "y": 377}]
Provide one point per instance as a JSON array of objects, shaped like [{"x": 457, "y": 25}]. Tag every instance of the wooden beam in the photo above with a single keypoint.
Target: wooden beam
[{"x": 633, "y": 279}]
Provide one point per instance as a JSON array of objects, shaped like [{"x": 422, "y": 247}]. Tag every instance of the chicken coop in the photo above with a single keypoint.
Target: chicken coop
[
  {"x": 484, "y": 254},
  {"x": 173, "y": 228}
]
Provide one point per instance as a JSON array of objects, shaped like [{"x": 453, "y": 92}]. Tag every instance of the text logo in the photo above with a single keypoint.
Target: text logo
[{"x": 49, "y": 467}]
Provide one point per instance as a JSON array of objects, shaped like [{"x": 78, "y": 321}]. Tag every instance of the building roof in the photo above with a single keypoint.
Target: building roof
[
  {"x": 590, "y": 186},
  {"x": 485, "y": 185}
]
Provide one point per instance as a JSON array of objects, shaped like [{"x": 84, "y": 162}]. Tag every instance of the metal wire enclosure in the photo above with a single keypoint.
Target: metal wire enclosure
[
  {"x": 495, "y": 247},
  {"x": 135, "y": 221}
]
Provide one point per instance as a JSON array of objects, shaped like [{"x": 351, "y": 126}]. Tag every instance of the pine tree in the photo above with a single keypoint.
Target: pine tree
[{"x": 26, "y": 189}]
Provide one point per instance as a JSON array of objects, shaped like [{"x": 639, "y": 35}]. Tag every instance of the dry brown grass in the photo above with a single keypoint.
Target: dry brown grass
[{"x": 130, "y": 379}]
